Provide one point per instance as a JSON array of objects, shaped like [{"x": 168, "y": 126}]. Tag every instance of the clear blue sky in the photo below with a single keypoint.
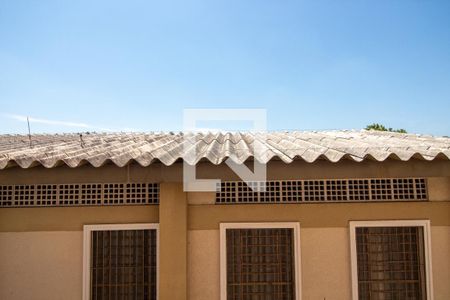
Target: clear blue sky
[{"x": 135, "y": 65}]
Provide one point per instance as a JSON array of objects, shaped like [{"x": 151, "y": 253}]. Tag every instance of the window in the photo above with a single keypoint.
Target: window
[
  {"x": 391, "y": 260},
  {"x": 260, "y": 261},
  {"x": 120, "y": 261}
]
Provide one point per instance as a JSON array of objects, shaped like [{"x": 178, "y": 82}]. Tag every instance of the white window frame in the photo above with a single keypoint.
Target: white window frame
[
  {"x": 425, "y": 224},
  {"x": 223, "y": 251},
  {"x": 88, "y": 229}
]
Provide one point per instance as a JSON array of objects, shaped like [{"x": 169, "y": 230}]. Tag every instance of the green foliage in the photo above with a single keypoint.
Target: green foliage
[{"x": 380, "y": 127}]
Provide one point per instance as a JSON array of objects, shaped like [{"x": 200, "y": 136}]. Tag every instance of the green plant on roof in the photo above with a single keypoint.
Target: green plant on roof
[{"x": 380, "y": 127}]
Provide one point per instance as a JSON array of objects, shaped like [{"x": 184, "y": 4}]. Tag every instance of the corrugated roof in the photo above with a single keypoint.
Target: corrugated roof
[{"x": 98, "y": 149}]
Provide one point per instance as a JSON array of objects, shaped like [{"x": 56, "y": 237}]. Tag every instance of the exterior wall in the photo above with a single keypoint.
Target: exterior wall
[
  {"x": 41, "y": 265},
  {"x": 173, "y": 242},
  {"x": 440, "y": 250},
  {"x": 325, "y": 263},
  {"x": 73, "y": 218},
  {"x": 203, "y": 264},
  {"x": 41, "y": 248},
  {"x": 48, "y": 265},
  {"x": 325, "y": 244},
  {"x": 202, "y": 217}
]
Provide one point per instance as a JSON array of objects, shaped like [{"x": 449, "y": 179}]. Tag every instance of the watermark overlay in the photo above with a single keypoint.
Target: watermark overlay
[{"x": 194, "y": 145}]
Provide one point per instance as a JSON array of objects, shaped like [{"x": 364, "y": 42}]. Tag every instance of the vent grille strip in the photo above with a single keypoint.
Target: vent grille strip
[
  {"x": 79, "y": 194},
  {"x": 327, "y": 190}
]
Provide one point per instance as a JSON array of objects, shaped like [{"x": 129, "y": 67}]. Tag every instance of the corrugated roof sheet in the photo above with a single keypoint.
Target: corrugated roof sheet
[{"x": 98, "y": 149}]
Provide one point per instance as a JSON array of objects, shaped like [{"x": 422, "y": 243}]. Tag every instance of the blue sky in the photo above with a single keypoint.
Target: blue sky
[{"x": 135, "y": 65}]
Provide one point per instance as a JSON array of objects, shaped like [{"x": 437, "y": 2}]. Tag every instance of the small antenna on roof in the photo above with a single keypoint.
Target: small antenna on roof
[
  {"x": 81, "y": 140},
  {"x": 29, "y": 132}
]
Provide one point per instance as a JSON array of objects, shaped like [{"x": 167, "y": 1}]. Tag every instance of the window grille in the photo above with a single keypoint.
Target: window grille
[
  {"x": 246, "y": 192},
  {"x": 292, "y": 191},
  {"x": 358, "y": 190},
  {"x": 123, "y": 264},
  {"x": 46, "y": 194},
  {"x": 6, "y": 195},
  {"x": 69, "y": 194},
  {"x": 314, "y": 190},
  {"x": 91, "y": 194},
  {"x": 23, "y": 195},
  {"x": 272, "y": 191},
  {"x": 80, "y": 194},
  {"x": 381, "y": 189},
  {"x": 327, "y": 190},
  {"x": 337, "y": 190},
  {"x": 390, "y": 262},
  {"x": 113, "y": 193},
  {"x": 260, "y": 263},
  {"x": 136, "y": 193}
]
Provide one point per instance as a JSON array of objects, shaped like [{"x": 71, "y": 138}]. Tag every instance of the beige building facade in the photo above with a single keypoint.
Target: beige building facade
[{"x": 46, "y": 247}]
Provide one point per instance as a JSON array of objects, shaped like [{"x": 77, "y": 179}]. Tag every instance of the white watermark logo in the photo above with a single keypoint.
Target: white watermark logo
[{"x": 194, "y": 146}]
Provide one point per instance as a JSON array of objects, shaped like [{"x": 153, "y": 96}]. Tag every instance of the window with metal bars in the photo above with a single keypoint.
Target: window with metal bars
[
  {"x": 391, "y": 261},
  {"x": 260, "y": 263},
  {"x": 121, "y": 262}
]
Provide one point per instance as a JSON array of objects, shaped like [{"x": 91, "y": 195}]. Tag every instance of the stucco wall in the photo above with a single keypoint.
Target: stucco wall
[
  {"x": 41, "y": 265},
  {"x": 48, "y": 265},
  {"x": 203, "y": 264},
  {"x": 440, "y": 251},
  {"x": 73, "y": 218},
  {"x": 41, "y": 248},
  {"x": 325, "y": 263}
]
